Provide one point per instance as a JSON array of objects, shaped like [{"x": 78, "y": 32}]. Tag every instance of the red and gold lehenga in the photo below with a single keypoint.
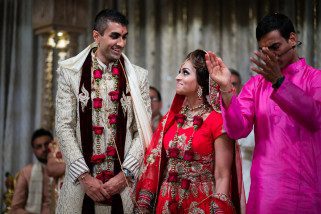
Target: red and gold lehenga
[{"x": 190, "y": 188}]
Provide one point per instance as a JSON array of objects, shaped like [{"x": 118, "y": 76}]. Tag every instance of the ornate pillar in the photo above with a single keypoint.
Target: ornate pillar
[
  {"x": 58, "y": 23},
  {"x": 47, "y": 106}
]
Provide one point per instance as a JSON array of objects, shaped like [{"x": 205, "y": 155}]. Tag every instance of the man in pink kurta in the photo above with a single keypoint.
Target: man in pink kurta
[
  {"x": 283, "y": 103},
  {"x": 286, "y": 167}
]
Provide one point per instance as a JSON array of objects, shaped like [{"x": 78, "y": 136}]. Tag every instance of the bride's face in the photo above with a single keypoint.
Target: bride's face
[{"x": 186, "y": 82}]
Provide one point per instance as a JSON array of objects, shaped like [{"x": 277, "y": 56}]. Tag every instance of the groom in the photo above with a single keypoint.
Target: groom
[{"x": 102, "y": 121}]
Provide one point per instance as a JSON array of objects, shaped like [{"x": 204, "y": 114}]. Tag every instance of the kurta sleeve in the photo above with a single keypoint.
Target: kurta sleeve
[
  {"x": 239, "y": 115},
  {"x": 20, "y": 195},
  {"x": 303, "y": 106}
]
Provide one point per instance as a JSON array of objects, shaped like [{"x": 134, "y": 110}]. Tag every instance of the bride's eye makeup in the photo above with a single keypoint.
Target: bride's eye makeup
[{"x": 184, "y": 71}]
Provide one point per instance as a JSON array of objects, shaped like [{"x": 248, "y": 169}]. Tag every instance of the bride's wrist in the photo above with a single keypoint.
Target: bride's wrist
[{"x": 229, "y": 88}]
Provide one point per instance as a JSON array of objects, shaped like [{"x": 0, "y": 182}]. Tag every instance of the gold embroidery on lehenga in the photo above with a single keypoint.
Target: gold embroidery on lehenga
[
  {"x": 213, "y": 207},
  {"x": 164, "y": 190},
  {"x": 193, "y": 209},
  {"x": 165, "y": 209},
  {"x": 206, "y": 189},
  {"x": 194, "y": 190},
  {"x": 154, "y": 153}
]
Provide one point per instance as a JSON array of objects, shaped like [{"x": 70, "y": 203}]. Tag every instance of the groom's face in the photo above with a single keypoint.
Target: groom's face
[{"x": 112, "y": 42}]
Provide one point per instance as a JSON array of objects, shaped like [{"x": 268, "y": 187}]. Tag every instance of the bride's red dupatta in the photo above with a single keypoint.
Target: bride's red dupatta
[{"x": 155, "y": 159}]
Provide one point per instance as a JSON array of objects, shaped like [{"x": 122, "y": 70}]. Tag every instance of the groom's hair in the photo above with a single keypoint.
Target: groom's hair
[{"x": 108, "y": 15}]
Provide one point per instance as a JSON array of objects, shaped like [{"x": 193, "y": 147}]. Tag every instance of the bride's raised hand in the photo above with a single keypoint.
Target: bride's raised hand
[{"x": 218, "y": 70}]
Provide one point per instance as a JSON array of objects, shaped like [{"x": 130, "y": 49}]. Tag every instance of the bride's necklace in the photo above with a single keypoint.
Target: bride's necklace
[
  {"x": 189, "y": 111},
  {"x": 196, "y": 107}
]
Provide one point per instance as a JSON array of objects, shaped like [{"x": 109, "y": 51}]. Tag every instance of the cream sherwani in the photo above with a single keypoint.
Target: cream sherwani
[{"x": 138, "y": 134}]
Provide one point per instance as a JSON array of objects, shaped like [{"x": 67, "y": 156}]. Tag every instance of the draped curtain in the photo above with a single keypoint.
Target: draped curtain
[
  {"x": 161, "y": 33},
  {"x": 19, "y": 86}
]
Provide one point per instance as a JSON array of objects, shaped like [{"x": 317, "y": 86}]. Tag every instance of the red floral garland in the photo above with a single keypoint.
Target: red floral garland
[
  {"x": 188, "y": 155},
  {"x": 111, "y": 152}
]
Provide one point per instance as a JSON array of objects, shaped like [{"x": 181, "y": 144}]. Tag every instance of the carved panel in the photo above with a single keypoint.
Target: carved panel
[{"x": 67, "y": 15}]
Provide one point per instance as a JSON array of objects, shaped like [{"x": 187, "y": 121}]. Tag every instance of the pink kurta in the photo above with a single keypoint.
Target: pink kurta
[{"x": 286, "y": 168}]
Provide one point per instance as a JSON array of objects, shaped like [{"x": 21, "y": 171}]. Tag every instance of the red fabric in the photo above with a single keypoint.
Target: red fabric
[
  {"x": 204, "y": 151},
  {"x": 147, "y": 180},
  {"x": 203, "y": 147},
  {"x": 203, "y": 138}
]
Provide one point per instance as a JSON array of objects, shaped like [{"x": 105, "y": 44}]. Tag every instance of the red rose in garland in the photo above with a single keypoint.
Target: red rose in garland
[
  {"x": 115, "y": 71},
  {"x": 105, "y": 175},
  {"x": 185, "y": 183},
  {"x": 98, "y": 103},
  {"x": 197, "y": 122},
  {"x": 114, "y": 95},
  {"x": 108, "y": 174},
  {"x": 172, "y": 176},
  {"x": 188, "y": 155},
  {"x": 98, "y": 74},
  {"x": 98, "y": 158},
  {"x": 173, "y": 206},
  {"x": 180, "y": 118},
  {"x": 98, "y": 130},
  {"x": 111, "y": 151},
  {"x": 173, "y": 152},
  {"x": 100, "y": 176},
  {"x": 112, "y": 119}
]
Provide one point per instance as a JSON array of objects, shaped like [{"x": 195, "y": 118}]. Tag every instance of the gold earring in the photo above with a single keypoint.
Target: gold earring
[{"x": 199, "y": 92}]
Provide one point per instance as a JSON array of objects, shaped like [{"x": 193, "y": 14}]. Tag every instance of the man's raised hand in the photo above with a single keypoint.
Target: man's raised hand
[{"x": 218, "y": 71}]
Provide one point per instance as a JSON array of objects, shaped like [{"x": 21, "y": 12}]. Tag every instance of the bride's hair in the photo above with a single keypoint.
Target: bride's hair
[{"x": 197, "y": 59}]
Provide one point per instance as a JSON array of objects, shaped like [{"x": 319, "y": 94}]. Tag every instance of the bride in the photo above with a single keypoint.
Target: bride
[{"x": 189, "y": 166}]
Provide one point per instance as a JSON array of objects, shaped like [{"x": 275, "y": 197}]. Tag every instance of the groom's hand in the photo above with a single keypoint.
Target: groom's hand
[
  {"x": 116, "y": 184},
  {"x": 93, "y": 188}
]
